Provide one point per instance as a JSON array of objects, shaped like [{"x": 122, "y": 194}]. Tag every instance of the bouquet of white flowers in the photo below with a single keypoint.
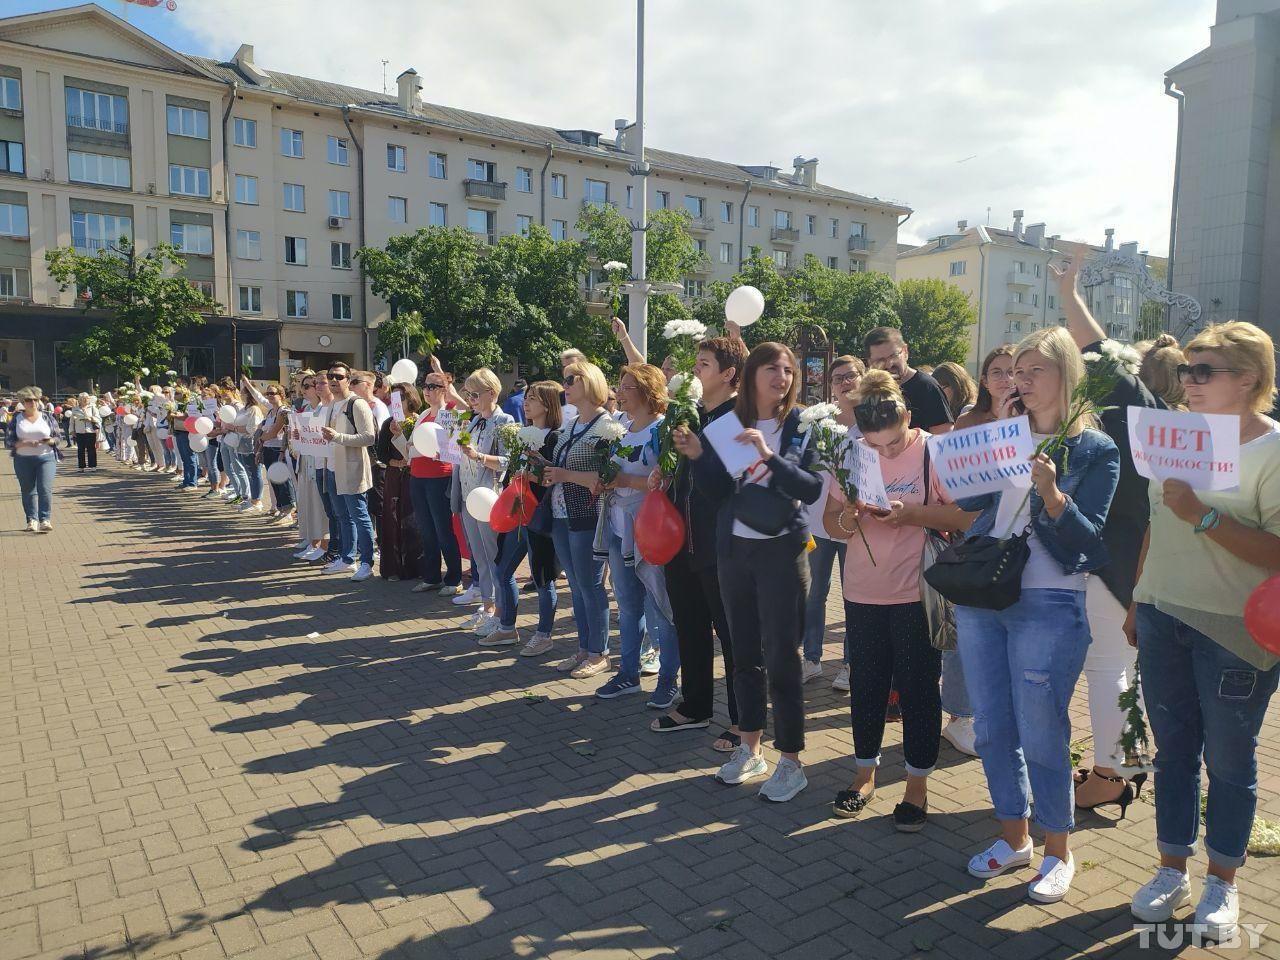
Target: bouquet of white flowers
[
  {"x": 519, "y": 442},
  {"x": 684, "y": 391},
  {"x": 831, "y": 444},
  {"x": 608, "y": 433}
]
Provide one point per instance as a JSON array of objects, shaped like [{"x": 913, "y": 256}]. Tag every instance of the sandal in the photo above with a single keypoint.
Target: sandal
[
  {"x": 667, "y": 724},
  {"x": 908, "y": 818},
  {"x": 849, "y": 803},
  {"x": 733, "y": 739}
]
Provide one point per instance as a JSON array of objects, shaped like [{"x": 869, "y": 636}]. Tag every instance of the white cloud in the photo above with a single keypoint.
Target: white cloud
[{"x": 953, "y": 106}]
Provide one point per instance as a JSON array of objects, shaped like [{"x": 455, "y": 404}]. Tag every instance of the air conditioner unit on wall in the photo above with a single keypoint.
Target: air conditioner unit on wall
[{"x": 335, "y": 223}]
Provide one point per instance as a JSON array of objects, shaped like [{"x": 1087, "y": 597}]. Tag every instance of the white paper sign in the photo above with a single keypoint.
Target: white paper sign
[
  {"x": 450, "y": 451},
  {"x": 983, "y": 459},
  {"x": 210, "y": 407},
  {"x": 310, "y": 439},
  {"x": 397, "y": 407},
  {"x": 1201, "y": 448},
  {"x": 736, "y": 457},
  {"x": 864, "y": 470}
]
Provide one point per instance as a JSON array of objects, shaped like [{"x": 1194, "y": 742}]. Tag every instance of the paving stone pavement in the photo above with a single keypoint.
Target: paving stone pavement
[{"x": 208, "y": 752}]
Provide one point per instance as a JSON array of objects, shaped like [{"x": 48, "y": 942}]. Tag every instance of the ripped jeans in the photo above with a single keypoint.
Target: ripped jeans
[
  {"x": 1021, "y": 665},
  {"x": 1201, "y": 699}
]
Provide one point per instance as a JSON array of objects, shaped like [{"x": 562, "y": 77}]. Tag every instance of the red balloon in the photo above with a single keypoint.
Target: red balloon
[
  {"x": 120, "y": 411},
  {"x": 190, "y": 424},
  {"x": 57, "y": 411},
  {"x": 514, "y": 506},
  {"x": 659, "y": 529},
  {"x": 461, "y": 537},
  {"x": 1262, "y": 614}
]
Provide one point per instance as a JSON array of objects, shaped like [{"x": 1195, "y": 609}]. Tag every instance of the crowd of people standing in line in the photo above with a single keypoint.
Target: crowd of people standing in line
[{"x": 1114, "y": 560}]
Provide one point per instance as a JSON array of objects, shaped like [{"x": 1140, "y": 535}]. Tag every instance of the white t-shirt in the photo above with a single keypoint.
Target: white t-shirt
[
  {"x": 37, "y": 430},
  {"x": 772, "y": 432},
  {"x": 639, "y": 463},
  {"x": 380, "y": 413},
  {"x": 1041, "y": 571}
]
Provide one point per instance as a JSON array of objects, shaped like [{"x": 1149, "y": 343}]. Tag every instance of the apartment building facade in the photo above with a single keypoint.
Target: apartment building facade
[
  {"x": 270, "y": 182},
  {"x": 1005, "y": 273}
]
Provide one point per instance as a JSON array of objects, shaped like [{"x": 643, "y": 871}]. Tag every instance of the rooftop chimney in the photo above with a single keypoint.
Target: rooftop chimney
[
  {"x": 1017, "y": 224},
  {"x": 806, "y": 171},
  {"x": 1129, "y": 249},
  {"x": 1111, "y": 239},
  {"x": 626, "y": 138},
  {"x": 244, "y": 60},
  {"x": 962, "y": 226},
  {"x": 409, "y": 88},
  {"x": 1035, "y": 234}
]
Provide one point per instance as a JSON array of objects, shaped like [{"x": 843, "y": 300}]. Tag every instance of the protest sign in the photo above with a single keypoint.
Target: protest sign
[
  {"x": 864, "y": 471},
  {"x": 397, "y": 407},
  {"x": 310, "y": 439},
  {"x": 1202, "y": 449},
  {"x": 984, "y": 459},
  {"x": 736, "y": 457},
  {"x": 450, "y": 451}
]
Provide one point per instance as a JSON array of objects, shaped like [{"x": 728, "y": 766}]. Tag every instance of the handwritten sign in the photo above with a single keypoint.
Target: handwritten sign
[
  {"x": 397, "y": 406},
  {"x": 450, "y": 451},
  {"x": 736, "y": 457},
  {"x": 864, "y": 470},
  {"x": 310, "y": 440},
  {"x": 984, "y": 459},
  {"x": 1201, "y": 448},
  {"x": 210, "y": 406}
]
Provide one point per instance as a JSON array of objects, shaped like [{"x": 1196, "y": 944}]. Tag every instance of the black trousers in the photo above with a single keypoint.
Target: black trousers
[
  {"x": 889, "y": 649},
  {"x": 764, "y": 584},
  {"x": 696, "y": 609},
  {"x": 86, "y": 450}
]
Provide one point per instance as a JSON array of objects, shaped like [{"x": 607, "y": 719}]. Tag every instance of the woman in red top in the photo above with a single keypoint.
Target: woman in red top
[{"x": 429, "y": 483}]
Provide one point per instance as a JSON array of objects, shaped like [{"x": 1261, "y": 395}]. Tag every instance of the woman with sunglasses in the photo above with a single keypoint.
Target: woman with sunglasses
[
  {"x": 1207, "y": 683},
  {"x": 1021, "y": 664},
  {"x": 274, "y": 432},
  {"x": 761, "y": 537},
  {"x": 313, "y": 522},
  {"x": 430, "y": 481},
  {"x": 885, "y": 624}
]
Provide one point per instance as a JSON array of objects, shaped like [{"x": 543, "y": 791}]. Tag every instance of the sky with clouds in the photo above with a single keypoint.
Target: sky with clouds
[{"x": 955, "y": 107}]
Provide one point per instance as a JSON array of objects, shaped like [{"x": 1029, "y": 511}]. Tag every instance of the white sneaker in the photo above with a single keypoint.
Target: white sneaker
[
  {"x": 998, "y": 858},
  {"x": 486, "y": 623},
  {"x": 339, "y": 566},
  {"x": 811, "y": 670},
  {"x": 650, "y": 662},
  {"x": 1053, "y": 882},
  {"x": 362, "y": 573},
  {"x": 1218, "y": 911},
  {"x": 422, "y": 587},
  {"x": 46, "y": 526},
  {"x": 468, "y": 596},
  {"x": 788, "y": 779},
  {"x": 841, "y": 682},
  {"x": 315, "y": 553},
  {"x": 31, "y": 526},
  {"x": 1159, "y": 897},
  {"x": 474, "y": 620},
  {"x": 960, "y": 734},
  {"x": 742, "y": 766}
]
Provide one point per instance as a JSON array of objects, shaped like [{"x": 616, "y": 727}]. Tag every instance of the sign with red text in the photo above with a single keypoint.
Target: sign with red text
[
  {"x": 983, "y": 459},
  {"x": 1202, "y": 449}
]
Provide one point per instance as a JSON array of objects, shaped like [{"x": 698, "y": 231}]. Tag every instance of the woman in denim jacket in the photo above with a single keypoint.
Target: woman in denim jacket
[{"x": 1022, "y": 663}]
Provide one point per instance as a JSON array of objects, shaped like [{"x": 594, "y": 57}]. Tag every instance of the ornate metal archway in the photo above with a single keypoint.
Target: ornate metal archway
[{"x": 1108, "y": 266}]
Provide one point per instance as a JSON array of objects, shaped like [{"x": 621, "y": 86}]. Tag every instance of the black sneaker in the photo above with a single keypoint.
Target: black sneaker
[{"x": 326, "y": 559}]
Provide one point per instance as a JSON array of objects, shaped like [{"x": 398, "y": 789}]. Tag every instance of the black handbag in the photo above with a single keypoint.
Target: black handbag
[
  {"x": 982, "y": 572},
  {"x": 762, "y": 508}
]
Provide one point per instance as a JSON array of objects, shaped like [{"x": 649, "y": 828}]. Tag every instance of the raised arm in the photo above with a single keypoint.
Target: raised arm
[
  {"x": 1084, "y": 329},
  {"x": 628, "y": 347}
]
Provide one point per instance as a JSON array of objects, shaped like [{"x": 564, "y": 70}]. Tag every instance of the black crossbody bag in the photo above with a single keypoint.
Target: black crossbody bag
[{"x": 983, "y": 571}]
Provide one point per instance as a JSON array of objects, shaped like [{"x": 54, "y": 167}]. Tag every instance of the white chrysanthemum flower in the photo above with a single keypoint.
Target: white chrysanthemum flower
[
  {"x": 145, "y": 371},
  {"x": 532, "y": 437},
  {"x": 834, "y": 428},
  {"x": 677, "y": 383},
  {"x": 609, "y": 429},
  {"x": 1090, "y": 357},
  {"x": 819, "y": 411},
  {"x": 613, "y": 265}
]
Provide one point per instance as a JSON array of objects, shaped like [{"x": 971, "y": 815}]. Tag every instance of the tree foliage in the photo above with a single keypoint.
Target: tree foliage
[
  {"x": 144, "y": 296},
  {"x": 935, "y": 318}
]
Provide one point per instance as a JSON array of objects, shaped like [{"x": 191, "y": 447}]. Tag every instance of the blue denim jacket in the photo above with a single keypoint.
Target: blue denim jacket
[{"x": 1089, "y": 482}]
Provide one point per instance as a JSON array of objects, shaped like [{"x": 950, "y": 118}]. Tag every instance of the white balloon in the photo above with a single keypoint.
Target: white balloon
[
  {"x": 130, "y": 420},
  {"x": 480, "y": 503},
  {"x": 279, "y": 472},
  {"x": 203, "y": 426},
  {"x": 199, "y": 442},
  {"x": 104, "y": 411},
  {"x": 403, "y": 371},
  {"x": 227, "y": 413},
  {"x": 744, "y": 306},
  {"x": 426, "y": 438},
  {"x": 232, "y": 440}
]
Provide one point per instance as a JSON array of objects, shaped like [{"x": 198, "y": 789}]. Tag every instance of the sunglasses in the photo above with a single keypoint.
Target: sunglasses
[
  {"x": 876, "y": 415},
  {"x": 273, "y": 393},
  {"x": 336, "y": 376},
  {"x": 433, "y": 386},
  {"x": 570, "y": 380},
  {"x": 1201, "y": 373}
]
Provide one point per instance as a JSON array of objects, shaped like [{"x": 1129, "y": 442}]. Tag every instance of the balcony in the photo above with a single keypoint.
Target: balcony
[
  {"x": 860, "y": 246},
  {"x": 589, "y": 204},
  {"x": 1021, "y": 278},
  {"x": 1018, "y": 308},
  {"x": 701, "y": 224},
  {"x": 485, "y": 190},
  {"x": 703, "y": 267},
  {"x": 784, "y": 235},
  {"x": 599, "y": 302},
  {"x": 97, "y": 124}
]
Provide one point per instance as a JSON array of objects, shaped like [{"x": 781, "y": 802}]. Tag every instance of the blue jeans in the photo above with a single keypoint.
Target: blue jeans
[
  {"x": 325, "y": 484},
  {"x": 955, "y": 694},
  {"x": 35, "y": 481},
  {"x": 182, "y": 440},
  {"x": 254, "y": 472},
  {"x": 821, "y": 559},
  {"x": 586, "y": 585},
  {"x": 283, "y": 491},
  {"x": 236, "y": 473},
  {"x": 434, "y": 520},
  {"x": 514, "y": 548},
  {"x": 638, "y": 615},
  {"x": 356, "y": 527},
  {"x": 210, "y": 457},
  {"x": 1021, "y": 665},
  {"x": 170, "y": 458},
  {"x": 1201, "y": 699}
]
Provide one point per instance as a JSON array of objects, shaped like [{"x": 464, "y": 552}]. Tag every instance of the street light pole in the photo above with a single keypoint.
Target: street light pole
[{"x": 638, "y": 295}]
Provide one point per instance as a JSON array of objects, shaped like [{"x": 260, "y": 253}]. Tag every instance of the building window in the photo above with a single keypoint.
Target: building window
[
  {"x": 290, "y": 143},
  {"x": 98, "y": 168},
  {"x": 726, "y": 211},
  {"x": 559, "y": 185},
  {"x": 188, "y": 181},
  {"x": 631, "y": 199},
  {"x": 10, "y": 93},
  {"x": 1037, "y": 269},
  {"x": 1035, "y": 299},
  {"x": 524, "y": 180},
  {"x": 13, "y": 220},
  {"x": 559, "y": 229},
  {"x": 338, "y": 153},
  {"x": 295, "y": 251},
  {"x": 726, "y": 253},
  {"x": 958, "y": 267},
  {"x": 835, "y": 228},
  {"x": 694, "y": 288},
  {"x": 340, "y": 204},
  {"x": 695, "y": 205},
  {"x": 11, "y": 160},
  {"x": 193, "y": 238},
  {"x": 1019, "y": 266},
  {"x": 249, "y": 244},
  {"x": 480, "y": 222},
  {"x": 295, "y": 303},
  {"x": 595, "y": 191},
  {"x": 340, "y": 255},
  {"x": 1052, "y": 302},
  {"x": 188, "y": 122},
  {"x": 14, "y": 282},
  {"x": 246, "y": 189},
  {"x": 295, "y": 198},
  {"x": 833, "y": 263},
  {"x": 1124, "y": 296},
  {"x": 857, "y": 266},
  {"x": 90, "y": 110},
  {"x": 395, "y": 158},
  {"x": 782, "y": 259},
  {"x": 98, "y": 231},
  {"x": 438, "y": 214},
  {"x": 857, "y": 229},
  {"x": 398, "y": 209},
  {"x": 250, "y": 299},
  {"x": 245, "y": 134},
  {"x": 661, "y": 200},
  {"x": 810, "y": 224},
  {"x": 482, "y": 170},
  {"x": 341, "y": 306},
  {"x": 202, "y": 286},
  {"x": 700, "y": 245},
  {"x": 251, "y": 355},
  {"x": 753, "y": 216},
  {"x": 782, "y": 219},
  {"x": 438, "y": 166},
  {"x": 524, "y": 224}
]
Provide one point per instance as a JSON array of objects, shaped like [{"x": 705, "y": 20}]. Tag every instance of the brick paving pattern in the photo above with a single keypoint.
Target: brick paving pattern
[{"x": 208, "y": 752}]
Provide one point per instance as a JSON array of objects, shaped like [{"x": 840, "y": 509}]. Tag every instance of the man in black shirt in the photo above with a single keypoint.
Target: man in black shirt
[{"x": 885, "y": 349}]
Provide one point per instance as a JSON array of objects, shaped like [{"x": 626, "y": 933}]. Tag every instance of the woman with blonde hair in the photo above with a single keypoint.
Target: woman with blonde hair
[
  {"x": 1207, "y": 682},
  {"x": 1159, "y": 371},
  {"x": 1021, "y": 663}
]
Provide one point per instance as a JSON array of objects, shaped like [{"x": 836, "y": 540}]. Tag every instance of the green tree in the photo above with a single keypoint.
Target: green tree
[
  {"x": 146, "y": 302},
  {"x": 935, "y": 318},
  {"x": 784, "y": 310},
  {"x": 847, "y": 305},
  {"x": 405, "y": 328}
]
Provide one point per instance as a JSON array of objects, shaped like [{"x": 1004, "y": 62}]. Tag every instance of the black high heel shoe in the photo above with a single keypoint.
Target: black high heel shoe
[{"x": 1132, "y": 790}]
